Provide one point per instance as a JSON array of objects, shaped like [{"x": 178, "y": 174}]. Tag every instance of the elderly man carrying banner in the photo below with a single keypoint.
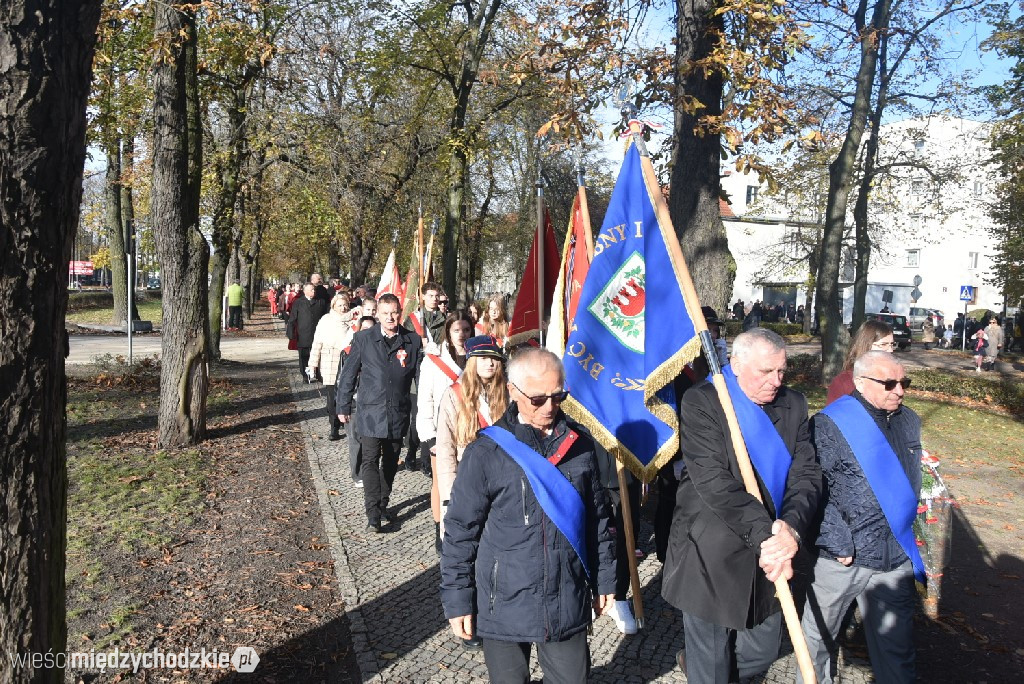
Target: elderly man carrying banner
[
  {"x": 869, "y": 446},
  {"x": 527, "y": 547},
  {"x": 726, "y": 548}
]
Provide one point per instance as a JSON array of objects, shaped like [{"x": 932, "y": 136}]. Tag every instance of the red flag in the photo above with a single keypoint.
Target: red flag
[
  {"x": 526, "y": 321},
  {"x": 391, "y": 279},
  {"x": 571, "y": 274}
]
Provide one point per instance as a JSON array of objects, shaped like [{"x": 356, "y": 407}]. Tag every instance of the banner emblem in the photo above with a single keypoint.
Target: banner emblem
[{"x": 620, "y": 305}]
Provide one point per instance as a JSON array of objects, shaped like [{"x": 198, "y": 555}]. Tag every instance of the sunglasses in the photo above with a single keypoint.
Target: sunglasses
[
  {"x": 890, "y": 385},
  {"x": 540, "y": 400}
]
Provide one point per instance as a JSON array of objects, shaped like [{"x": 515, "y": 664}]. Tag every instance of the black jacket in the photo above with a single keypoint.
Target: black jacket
[
  {"x": 711, "y": 567},
  {"x": 384, "y": 402},
  {"x": 305, "y": 314},
  {"x": 504, "y": 560},
  {"x": 853, "y": 523}
]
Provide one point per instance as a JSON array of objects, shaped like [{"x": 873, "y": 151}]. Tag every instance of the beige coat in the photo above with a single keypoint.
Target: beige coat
[
  {"x": 333, "y": 334},
  {"x": 446, "y": 452},
  {"x": 995, "y": 340}
]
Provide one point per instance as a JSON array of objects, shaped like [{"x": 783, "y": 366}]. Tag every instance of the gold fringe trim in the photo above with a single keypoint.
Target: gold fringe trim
[{"x": 520, "y": 338}]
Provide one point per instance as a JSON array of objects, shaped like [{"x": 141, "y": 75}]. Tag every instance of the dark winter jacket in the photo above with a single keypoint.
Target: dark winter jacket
[
  {"x": 504, "y": 560},
  {"x": 305, "y": 314},
  {"x": 385, "y": 369},
  {"x": 853, "y": 523},
  {"x": 711, "y": 567}
]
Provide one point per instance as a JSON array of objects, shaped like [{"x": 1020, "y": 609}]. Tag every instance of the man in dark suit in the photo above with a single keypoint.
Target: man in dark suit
[
  {"x": 385, "y": 359},
  {"x": 306, "y": 312},
  {"x": 726, "y": 548}
]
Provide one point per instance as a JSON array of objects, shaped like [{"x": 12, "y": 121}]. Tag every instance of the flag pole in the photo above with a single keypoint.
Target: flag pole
[
  {"x": 419, "y": 243},
  {"x": 685, "y": 282},
  {"x": 540, "y": 250},
  {"x": 581, "y": 183}
]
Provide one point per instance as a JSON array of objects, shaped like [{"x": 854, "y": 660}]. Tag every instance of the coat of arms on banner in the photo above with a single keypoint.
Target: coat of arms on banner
[{"x": 621, "y": 303}]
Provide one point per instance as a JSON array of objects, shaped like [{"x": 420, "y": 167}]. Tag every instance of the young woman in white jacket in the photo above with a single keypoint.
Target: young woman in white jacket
[{"x": 437, "y": 373}]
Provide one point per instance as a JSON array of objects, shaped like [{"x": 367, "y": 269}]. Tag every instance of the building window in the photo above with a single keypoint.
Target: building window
[
  {"x": 913, "y": 258},
  {"x": 917, "y": 186},
  {"x": 751, "y": 194},
  {"x": 978, "y": 188},
  {"x": 919, "y": 145},
  {"x": 972, "y": 260}
]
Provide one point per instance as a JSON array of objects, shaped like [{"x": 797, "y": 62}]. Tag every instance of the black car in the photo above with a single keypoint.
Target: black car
[{"x": 899, "y": 325}]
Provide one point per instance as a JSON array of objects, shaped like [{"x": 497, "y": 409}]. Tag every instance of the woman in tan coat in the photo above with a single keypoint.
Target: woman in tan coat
[{"x": 479, "y": 396}]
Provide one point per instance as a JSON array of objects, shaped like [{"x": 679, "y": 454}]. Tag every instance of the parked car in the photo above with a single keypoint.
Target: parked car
[
  {"x": 900, "y": 328},
  {"x": 918, "y": 315}
]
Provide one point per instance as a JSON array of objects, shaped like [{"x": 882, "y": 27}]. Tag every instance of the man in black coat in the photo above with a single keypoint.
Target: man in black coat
[
  {"x": 726, "y": 548},
  {"x": 305, "y": 314},
  {"x": 508, "y": 571},
  {"x": 384, "y": 358}
]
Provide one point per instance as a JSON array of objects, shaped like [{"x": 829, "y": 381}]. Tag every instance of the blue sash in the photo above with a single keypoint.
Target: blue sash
[
  {"x": 883, "y": 471},
  {"x": 768, "y": 453},
  {"x": 555, "y": 494}
]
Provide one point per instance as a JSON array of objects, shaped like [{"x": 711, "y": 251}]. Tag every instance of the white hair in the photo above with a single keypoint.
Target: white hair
[
  {"x": 532, "y": 362},
  {"x": 868, "y": 361},
  {"x": 745, "y": 342}
]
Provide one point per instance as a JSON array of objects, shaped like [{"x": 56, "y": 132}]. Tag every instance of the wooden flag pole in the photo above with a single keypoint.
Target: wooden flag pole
[
  {"x": 419, "y": 246},
  {"x": 627, "y": 528},
  {"x": 540, "y": 253},
  {"x": 584, "y": 212},
  {"x": 785, "y": 595}
]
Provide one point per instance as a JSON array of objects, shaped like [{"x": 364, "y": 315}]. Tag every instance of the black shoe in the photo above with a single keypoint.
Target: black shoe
[
  {"x": 472, "y": 642},
  {"x": 388, "y": 516},
  {"x": 334, "y": 436},
  {"x": 427, "y": 472},
  {"x": 375, "y": 527}
]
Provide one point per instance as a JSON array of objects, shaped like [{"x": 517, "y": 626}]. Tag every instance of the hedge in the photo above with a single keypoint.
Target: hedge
[
  {"x": 1005, "y": 394},
  {"x": 103, "y": 299},
  {"x": 734, "y": 328}
]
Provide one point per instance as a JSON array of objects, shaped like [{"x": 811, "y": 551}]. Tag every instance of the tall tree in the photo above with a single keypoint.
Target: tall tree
[
  {"x": 46, "y": 49},
  {"x": 184, "y": 253}
]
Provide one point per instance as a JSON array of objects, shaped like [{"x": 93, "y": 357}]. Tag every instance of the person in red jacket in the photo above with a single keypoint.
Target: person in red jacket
[{"x": 272, "y": 298}]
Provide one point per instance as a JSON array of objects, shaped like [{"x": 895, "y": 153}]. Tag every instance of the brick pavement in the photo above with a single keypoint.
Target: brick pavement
[{"x": 390, "y": 585}]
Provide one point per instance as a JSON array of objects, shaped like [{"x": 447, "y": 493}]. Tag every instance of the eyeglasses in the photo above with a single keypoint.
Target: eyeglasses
[
  {"x": 540, "y": 400},
  {"x": 890, "y": 385},
  {"x": 887, "y": 345}
]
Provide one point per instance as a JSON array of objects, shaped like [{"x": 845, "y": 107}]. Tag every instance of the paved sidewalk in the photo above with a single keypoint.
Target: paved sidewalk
[{"x": 390, "y": 585}]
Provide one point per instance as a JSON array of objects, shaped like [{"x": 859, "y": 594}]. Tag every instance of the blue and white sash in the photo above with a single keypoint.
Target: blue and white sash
[
  {"x": 555, "y": 494},
  {"x": 768, "y": 453},
  {"x": 883, "y": 471}
]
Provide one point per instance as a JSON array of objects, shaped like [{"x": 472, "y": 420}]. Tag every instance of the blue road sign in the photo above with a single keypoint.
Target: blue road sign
[{"x": 966, "y": 293}]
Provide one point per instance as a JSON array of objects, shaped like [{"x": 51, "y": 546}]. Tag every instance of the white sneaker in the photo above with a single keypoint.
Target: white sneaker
[{"x": 621, "y": 612}]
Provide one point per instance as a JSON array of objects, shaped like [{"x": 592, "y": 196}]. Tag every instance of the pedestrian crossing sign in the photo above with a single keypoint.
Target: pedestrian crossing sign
[{"x": 966, "y": 293}]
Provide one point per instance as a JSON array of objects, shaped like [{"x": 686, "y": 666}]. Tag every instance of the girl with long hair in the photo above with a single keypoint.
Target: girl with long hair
[
  {"x": 437, "y": 373},
  {"x": 495, "y": 319}
]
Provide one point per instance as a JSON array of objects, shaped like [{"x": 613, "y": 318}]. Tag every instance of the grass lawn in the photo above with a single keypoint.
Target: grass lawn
[{"x": 149, "y": 310}]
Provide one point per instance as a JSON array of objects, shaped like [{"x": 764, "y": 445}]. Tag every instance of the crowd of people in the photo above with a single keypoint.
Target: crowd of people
[{"x": 527, "y": 507}]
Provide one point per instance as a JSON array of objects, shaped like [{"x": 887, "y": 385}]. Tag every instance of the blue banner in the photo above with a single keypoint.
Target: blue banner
[
  {"x": 555, "y": 494},
  {"x": 768, "y": 453},
  {"x": 619, "y": 370}
]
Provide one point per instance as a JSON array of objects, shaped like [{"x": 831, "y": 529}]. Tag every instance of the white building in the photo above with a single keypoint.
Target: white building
[{"x": 928, "y": 221}]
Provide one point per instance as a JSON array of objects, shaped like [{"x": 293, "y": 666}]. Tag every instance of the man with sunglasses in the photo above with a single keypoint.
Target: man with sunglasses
[
  {"x": 869, "y": 445},
  {"x": 527, "y": 548}
]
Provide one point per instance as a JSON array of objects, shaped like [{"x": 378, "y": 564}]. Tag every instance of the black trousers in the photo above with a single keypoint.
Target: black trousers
[
  {"x": 235, "y": 317},
  {"x": 621, "y": 551},
  {"x": 412, "y": 438},
  {"x": 563, "y": 662},
  {"x": 719, "y": 655},
  {"x": 355, "y": 449},
  {"x": 380, "y": 463},
  {"x": 304, "y": 359},
  {"x": 332, "y": 406}
]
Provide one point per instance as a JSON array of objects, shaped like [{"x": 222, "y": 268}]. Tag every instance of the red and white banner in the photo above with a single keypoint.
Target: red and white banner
[{"x": 81, "y": 268}]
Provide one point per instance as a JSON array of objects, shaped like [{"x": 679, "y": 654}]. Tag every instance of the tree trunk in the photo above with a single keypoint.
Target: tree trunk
[
  {"x": 834, "y": 336},
  {"x": 812, "y": 270},
  {"x": 46, "y": 50},
  {"x": 128, "y": 209},
  {"x": 361, "y": 251},
  {"x": 455, "y": 214},
  {"x": 695, "y": 185},
  {"x": 115, "y": 229},
  {"x": 184, "y": 254}
]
